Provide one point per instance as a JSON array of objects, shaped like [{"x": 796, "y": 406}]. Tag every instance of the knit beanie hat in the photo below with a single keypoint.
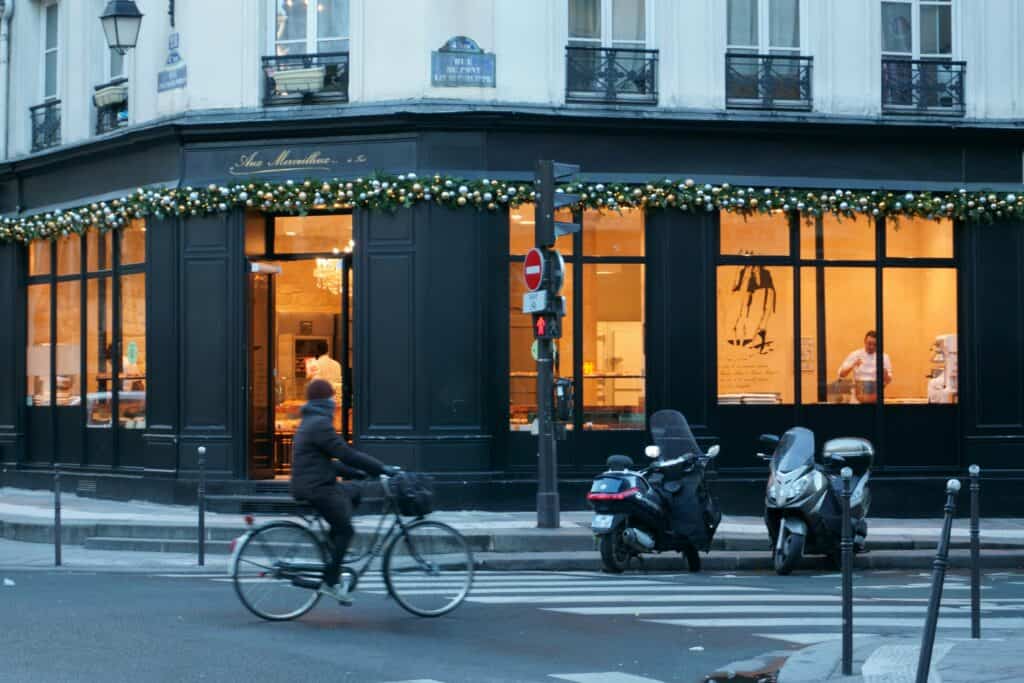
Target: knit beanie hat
[{"x": 319, "y": 389}]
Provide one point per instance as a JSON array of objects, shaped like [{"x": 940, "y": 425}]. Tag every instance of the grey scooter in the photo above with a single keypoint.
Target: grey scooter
[{"x": 802, "y": 501}]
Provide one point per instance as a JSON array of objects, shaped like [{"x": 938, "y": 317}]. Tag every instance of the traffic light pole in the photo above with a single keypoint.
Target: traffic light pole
[{"x": 548, "y": 508}]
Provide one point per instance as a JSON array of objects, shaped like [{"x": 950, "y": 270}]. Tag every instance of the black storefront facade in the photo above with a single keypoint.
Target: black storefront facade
[{"x": 430, "y": 288}]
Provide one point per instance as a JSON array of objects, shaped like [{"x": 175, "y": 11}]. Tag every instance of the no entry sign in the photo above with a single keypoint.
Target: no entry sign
[{"x": 533, "y": 269}]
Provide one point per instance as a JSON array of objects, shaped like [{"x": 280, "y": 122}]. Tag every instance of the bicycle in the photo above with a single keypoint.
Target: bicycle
[{"x": 427, "y": 565}]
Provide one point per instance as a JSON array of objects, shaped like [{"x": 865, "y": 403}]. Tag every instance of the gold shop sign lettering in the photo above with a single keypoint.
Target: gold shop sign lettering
[{"x": 258, "y": 162}]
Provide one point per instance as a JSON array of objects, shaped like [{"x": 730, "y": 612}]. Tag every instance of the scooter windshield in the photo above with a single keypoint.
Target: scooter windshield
[
  {"x": 795, "y": 450},
  {"x": 672, "y": 435}
]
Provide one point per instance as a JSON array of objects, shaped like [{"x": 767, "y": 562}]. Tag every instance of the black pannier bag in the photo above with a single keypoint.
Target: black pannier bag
[{"x": 414, "y": 493}]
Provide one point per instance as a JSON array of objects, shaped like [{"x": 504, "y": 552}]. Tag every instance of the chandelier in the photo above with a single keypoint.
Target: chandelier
[{"x": 328, "y": 271}]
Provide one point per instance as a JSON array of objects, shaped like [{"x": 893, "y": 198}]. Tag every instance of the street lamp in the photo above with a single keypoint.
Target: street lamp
[{"x": 121, "y": 21}]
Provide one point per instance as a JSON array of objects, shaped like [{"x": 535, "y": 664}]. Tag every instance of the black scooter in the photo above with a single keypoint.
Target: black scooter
[
  {"x": 802, "y": 501},
  {"x": 666, "y": 506}
]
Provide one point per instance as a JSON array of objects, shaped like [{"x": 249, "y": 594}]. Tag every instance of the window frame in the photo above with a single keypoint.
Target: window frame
[
  {"x": 47, "y": 50},
  {"x": 764, "y": 46},
  {"x": 795, "y": 261},
  {"x": 915, "y": 53},
  {"x": 575, "y": 261},
  {"x": 607, "y": 40},
  {"x": 312, "y": 39}
]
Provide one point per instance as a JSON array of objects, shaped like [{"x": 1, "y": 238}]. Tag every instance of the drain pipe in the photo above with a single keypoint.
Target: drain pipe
[{"x": 5, "y": 69}]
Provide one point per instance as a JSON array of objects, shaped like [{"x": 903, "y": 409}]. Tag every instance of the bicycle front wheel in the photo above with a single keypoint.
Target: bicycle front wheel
[
  {"x": 277, "y": 571},
  {"x": 428, "y": 568}
]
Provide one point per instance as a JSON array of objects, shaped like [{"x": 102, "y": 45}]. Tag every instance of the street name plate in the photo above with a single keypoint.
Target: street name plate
[{"x": 535, "y": 302}]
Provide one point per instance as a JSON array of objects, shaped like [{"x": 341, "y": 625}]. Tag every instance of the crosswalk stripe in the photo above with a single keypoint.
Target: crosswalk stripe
[
  {"x": 604, "y": 677},
  {"x": 615, "y": 591},
  {"x": 704, "y": 597},
  {"x": 490, "y": 585},
  {"x": 809, "y": 638},
  {"x": 947, "y": 623},
  {"x": 741, "y": 609}
]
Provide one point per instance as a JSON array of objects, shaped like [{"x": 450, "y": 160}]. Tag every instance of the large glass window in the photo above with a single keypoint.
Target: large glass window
[
  {"x": 72, "y": 355},
  {"x": 917, "y": 29},
  {"x": 764, "y": 26},
  {"x": 303, "y": 27},
  {"x": 847, "y": 350},
  {"x": 602, "y": 344}
]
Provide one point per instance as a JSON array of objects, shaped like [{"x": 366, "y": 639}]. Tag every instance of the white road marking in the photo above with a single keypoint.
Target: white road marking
[
  {"x": 742, "y": 609},
  {"x": 809, "y": 638},
  {"x": 670, "y": 598},
  {"x": 948, "y": 623},
  {"x": 605, "y": 677},
  {"x": 621, "y": 592}
]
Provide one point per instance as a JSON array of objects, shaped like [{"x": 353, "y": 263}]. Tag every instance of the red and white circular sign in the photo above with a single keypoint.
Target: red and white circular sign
[{"x": 533, "y": 269}]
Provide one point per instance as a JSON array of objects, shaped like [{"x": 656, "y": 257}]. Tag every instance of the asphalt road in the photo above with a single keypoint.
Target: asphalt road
[{"x": 592, "y": 628}]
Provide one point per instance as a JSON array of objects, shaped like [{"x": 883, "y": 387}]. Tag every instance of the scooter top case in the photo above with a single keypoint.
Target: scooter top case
[{"x": 625, "y": 493}]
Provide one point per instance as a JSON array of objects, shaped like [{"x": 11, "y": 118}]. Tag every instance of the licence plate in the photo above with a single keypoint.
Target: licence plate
[{"x": 601, "y": 522}]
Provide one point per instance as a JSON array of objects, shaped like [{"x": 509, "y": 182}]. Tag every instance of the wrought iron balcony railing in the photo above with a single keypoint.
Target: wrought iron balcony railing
[
  {"x": 306, "y": 79},
  {"x": 45, "y": 125},
  {"x": 768, "y": 81},
  {"x": 923, "y": 86},
  {"x": 611, "y": 75},
  {"x": 111, "y": 100}
]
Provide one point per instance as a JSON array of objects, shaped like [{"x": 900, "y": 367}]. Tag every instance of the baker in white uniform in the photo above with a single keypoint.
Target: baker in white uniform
[{"x": 863, "y": 363}]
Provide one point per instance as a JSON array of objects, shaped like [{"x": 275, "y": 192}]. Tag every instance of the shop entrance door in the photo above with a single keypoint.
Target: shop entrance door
[{"x": 300, "y": 328}]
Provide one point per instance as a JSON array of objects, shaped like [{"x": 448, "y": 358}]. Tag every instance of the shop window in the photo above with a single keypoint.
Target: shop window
[
  {"x": 604, "y": 293},
  {"x": 920, "y": 307},
  {"x": 68, "y": 388},
  {"x": 613, "y": 234},
  {"x": 837, "y": 239},
  {"x": 255, "y": 233},
  {"x": 132, "y": 391},
  {"x": 755, "y": 334},
  {"x": 98, "y": 255},
  {"x": 69, "y": 255},
  {"x": 133, "y": 242},
  {"x": 613, "y": 346},
  {"x": 99, "y": 335},
  {"x": 522, "y": 365},
  {"x": 37, "y": 361},
  {"x": 919, "y": 238},
  {"x": 313, "y": 234},
  {"x": 521, "y": 226},
  {"x": 847, "y": 301},
  {"x": 39, "y": 258},
  {"x": 756, "y": 235}
]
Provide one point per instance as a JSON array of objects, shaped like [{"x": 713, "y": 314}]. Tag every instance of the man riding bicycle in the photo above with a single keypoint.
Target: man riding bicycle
[{"x": 320, "y": 457}]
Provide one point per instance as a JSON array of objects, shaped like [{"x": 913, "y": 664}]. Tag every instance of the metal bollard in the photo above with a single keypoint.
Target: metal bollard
[
  {"x": 975, "y": 473},
  {"x": 938, "y": 576},
  {"x": 846, "y": 547},
  {"x": 56, "y": 515},
  {"x": 202, "y": 505}
]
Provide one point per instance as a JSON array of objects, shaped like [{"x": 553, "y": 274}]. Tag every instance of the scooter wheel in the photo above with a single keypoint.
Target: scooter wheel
[
  {"x": 787, "y": 557},
  {"x": 692, "y": 556},
  {"x": 614, "y": 553}
]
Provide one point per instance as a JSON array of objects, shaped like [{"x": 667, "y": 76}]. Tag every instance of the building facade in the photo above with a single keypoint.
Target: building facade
[{"x": 263, "y": 192}]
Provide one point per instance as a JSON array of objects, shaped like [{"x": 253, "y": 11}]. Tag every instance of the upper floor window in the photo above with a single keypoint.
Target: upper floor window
[
  {"x": 764, "y": 26},
  {"x": 50, "y": 51},
  {"x": 304, "y": 27},
  {"x": 917, "y": 29},
  {"x": 608, "y": 23}
]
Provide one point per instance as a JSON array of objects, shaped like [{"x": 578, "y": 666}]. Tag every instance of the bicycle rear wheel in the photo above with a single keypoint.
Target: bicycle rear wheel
[
  {"x": 428, "y": 568},
  {"x": 277, "y": 570}
]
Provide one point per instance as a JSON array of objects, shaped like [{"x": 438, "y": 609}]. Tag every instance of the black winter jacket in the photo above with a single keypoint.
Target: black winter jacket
[{"x": 320, "y": 455}]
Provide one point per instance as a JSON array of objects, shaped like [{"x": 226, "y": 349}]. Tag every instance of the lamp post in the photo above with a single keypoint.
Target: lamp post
[{"x": 121, "y": 22}]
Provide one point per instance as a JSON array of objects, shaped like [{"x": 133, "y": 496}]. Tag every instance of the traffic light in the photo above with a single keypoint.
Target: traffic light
[{"x": 546, "y": 228}]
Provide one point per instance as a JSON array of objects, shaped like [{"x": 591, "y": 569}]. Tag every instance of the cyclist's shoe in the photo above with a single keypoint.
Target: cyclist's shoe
[{"x": 340, "y": 591}]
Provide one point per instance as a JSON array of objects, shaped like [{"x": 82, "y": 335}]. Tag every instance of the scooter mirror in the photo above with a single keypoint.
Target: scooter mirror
[
  {"x": 769, "y": 441},
  {"x": 652, "y": 452},
  {"x": 713, "y": 451}
]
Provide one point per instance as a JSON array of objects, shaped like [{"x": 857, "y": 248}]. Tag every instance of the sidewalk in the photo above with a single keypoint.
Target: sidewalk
[
  {"x": 500, "y": 540},
  {"x": 889, "y": 660}
]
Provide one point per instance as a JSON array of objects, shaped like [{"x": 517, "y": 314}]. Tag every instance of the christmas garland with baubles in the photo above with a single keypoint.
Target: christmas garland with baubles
[{"x": 391, "y": 192}]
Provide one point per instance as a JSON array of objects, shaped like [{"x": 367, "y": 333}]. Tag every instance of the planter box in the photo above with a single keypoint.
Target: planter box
[
  {"x": 111, "y": 94},
  {"x": 309, "y": 79}
]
